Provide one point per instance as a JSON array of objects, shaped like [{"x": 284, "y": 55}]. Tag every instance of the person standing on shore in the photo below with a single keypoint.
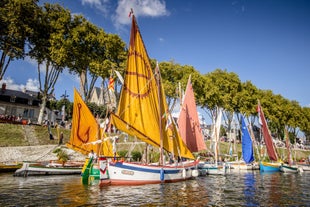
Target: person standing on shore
[{"x": 61, "y": 137}]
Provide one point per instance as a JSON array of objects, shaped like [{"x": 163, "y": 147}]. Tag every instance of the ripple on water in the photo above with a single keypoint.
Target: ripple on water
[{"x": 239, "y": 189}]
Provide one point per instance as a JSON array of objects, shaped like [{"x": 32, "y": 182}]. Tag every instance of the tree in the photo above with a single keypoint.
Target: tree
[
  {"x": 46, "y": 47},
  {"x": 93, "y": 53},
  {"x": 16, "y": 25},
  {"x": 305, "y": 124}
]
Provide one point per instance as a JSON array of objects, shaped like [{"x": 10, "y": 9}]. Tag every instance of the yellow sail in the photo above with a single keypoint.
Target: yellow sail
[
  {"x": 139, "y": 111},
  {"x": 85, "y": 130},
  {"x": 106, "y": 146}
]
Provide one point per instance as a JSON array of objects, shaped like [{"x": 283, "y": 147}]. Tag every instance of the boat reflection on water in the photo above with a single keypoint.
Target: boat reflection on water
[
  {"x": 236, "y": 189},
  {"x": 250, "y": 189}
]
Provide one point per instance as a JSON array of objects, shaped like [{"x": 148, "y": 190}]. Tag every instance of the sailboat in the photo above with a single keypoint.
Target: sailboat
[
  {"x": 288, "y": 168},
  {"x": 86, "y": 136},
  {"x": 216, "y": 167},
  {"x": 143, "y": 113},
  {"x": 271, "y": 151},
  {"x": 247, "y": 162},
  {"x": 189, "y": 126}
]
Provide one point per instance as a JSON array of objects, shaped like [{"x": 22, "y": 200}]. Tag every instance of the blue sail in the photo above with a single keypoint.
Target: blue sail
[{"x": 247, "y": 146}]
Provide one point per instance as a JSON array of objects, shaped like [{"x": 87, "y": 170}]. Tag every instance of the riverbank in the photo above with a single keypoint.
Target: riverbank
[{"x": 36, "y": 153}]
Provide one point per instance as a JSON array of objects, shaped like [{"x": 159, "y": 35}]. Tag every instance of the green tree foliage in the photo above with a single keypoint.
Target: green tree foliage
[
  {"x": 45, "y": 47},
  {"x": 221, "y": 89},
  {"x": 305, "y": 123},
  {"x": 92, "y": 52},
  {"x": 16, "y": 25}
]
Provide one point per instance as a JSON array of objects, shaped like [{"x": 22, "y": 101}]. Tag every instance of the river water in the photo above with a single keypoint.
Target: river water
[{"x": 237, "y": 189}]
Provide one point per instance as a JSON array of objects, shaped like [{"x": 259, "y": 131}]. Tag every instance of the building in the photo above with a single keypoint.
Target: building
[
  {"x": 103, "y": 96},
  {"x": 16, "y": 105}
]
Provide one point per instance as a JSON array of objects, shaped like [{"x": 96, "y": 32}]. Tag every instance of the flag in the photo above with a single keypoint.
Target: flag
[
  {"x": 259, "y": 114},
  {"x": 111, "y": 84},
  {"x": 121, "y": 79},
  {"x": 63, "y": 112}
]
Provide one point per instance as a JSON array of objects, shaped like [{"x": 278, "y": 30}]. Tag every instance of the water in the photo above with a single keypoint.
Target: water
[{"x": 238, "y": 189}]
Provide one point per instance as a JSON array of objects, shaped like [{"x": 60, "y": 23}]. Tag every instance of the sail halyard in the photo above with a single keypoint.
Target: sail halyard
[{"x": 140, "y": 112}]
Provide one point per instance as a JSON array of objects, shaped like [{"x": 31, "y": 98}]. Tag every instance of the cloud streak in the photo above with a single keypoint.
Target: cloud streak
[
  {"x": 120, "y": 11},
  {"x": 31, "y": 85}
]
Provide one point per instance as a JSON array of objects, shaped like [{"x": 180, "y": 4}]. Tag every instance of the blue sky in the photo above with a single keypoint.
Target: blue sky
[{"x": 264, "y": 41}]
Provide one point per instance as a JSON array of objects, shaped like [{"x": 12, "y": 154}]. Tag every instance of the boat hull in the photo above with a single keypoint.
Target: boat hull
[
  {"x": 29, "y": 169},
  {"x": 269, "y": 167},
  {"x": 288, "y": 169},
  {"x": 9, "y": 167},
  {"x": 212, "y": 169},
  {"x": 304, "y": 167},
  {"x": 124, "y": 173},
  {"x": 242, "y": 166}
]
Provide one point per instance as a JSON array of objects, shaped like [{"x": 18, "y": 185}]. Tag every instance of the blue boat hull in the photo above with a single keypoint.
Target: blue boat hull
[{"x": 269, "y": 167}]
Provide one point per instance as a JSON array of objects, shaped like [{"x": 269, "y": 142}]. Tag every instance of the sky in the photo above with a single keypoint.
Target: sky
[{"x": 266, "y": 42}]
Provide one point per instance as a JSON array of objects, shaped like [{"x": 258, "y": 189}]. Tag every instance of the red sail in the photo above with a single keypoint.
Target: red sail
[
  {"x": 266, "y": 134},
  {"x": 188, "y": 122}
]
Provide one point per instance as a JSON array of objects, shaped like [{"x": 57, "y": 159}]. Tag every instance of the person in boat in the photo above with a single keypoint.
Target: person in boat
[{"x": 93, "y": 155}]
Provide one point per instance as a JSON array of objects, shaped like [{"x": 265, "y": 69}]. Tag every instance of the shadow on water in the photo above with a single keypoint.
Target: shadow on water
[{"x": 235, "y": 189}]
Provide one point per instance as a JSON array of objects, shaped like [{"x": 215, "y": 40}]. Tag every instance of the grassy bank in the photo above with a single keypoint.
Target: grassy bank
[{"x": 15, "y": 135}]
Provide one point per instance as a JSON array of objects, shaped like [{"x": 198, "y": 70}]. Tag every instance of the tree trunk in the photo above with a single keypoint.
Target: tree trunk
[
  {"x": 82, "y": 83},
  {"x": 42, "y": 109}
]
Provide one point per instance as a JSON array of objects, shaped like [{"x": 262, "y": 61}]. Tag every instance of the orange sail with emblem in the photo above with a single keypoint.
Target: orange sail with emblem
[
  {"x": 142, "y": 108},
  {"x": 85, "y": 134}
]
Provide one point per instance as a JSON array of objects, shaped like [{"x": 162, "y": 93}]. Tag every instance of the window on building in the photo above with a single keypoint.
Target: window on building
[
  {"x": 25, "y": 114},
  {"x": 12, "y": 99},
  {"x": 31, "y": 113}
]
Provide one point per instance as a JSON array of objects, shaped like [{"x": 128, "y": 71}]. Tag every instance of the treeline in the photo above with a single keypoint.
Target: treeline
[
  {"x": 59, "y": 40},
  {"x": 222, "y": 89}
]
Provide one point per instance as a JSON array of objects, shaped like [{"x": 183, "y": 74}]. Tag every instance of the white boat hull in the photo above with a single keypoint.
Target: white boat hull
[
  {"x": 241, "y": 166},
  {"x": 124, "y": 173},
  {"x": 289, "y": 169},
  {"x": 212, "y": 169},
  {"x": 304, "y": 167},
  {"x": 28, "y": 169}
]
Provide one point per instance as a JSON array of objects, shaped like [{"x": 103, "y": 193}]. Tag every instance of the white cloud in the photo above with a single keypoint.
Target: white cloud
[
  {"x": 145, "y": 8},
  {"x": 31, "y": 85},
  {"x": 102, "y": 5}
]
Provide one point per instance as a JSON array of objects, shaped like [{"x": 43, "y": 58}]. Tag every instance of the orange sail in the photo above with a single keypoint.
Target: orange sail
[
  {"x": 141, "y": 104},
  {"x": 85, "y": 132},
  {"x": 188, "y": 121}
]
